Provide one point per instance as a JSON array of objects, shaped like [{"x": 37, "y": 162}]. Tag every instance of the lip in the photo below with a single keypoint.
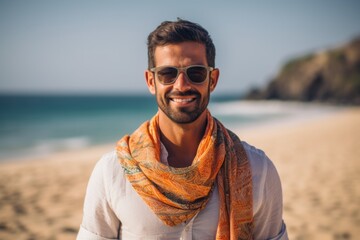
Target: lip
[{"x": 182, "y": 100}]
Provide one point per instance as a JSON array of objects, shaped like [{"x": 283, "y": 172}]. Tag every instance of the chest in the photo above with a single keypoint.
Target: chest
[{"x": 139, "y": 222}]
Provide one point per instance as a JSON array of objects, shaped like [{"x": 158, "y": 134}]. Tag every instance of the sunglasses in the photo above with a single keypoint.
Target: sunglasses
[{"x": 197, "y": 74}]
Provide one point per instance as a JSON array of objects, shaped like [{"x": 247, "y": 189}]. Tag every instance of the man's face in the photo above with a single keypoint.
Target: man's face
[{"x": 183, "y": 101}]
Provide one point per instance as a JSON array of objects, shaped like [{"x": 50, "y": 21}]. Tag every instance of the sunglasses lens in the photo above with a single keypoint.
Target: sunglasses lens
[
  {"x": 167, "y": 75},
  {"x": 197, "y": 74}
]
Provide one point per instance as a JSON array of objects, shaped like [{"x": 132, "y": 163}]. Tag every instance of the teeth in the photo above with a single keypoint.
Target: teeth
[{"x": 180, "y": 100}]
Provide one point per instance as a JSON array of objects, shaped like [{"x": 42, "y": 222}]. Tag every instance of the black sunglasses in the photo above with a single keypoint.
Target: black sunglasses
[{"x": 167, "y": 75}]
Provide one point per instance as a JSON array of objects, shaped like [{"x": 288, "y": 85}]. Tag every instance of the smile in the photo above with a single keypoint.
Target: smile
[{"x": 182, "y": 100}]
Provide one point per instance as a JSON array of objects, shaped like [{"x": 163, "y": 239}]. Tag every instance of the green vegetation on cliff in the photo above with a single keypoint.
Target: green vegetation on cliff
[{"x": 329, "y": 76}]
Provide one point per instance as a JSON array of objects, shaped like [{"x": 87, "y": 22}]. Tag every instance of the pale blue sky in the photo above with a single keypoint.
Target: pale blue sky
[{"x": 100, "y": 46}]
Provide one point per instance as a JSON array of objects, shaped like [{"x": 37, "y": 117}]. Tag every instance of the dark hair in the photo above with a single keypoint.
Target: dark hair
[{"x": 176, "y": 32}]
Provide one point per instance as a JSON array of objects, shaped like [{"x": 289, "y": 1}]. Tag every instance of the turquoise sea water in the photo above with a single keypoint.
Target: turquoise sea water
[
  {"x": 31, "y": 125},
  {"x": 36, "y": 125}
]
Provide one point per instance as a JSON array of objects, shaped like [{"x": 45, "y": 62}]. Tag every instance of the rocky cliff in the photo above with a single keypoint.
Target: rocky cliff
[{"x": 328, "y": 76}]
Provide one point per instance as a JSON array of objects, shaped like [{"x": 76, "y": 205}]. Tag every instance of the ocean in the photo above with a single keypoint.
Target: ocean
[{"x": 37, "y": 125}]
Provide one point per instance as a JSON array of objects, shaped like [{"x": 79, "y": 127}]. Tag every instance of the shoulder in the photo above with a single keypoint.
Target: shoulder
[
  {"x": 259, "y": 161},
  {"x": 263, "y": 170},
  {"x": 265, "y": 177},
  {"x": 108, "y": 171},
  {"x": 267, "y": 195},
  {"x": 250, "y": 149},
  {"x": 108, "y": 164},
  {"x": 108, "y": 161}
]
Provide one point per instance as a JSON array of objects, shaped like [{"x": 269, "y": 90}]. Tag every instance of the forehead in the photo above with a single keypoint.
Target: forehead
[{"x": 180, "y": 54}]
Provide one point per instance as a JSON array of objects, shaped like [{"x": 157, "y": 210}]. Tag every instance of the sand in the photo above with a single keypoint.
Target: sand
[{"x": 318, "y": 161}]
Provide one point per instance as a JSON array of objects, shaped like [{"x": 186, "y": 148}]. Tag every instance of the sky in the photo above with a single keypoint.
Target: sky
[{"x": 99, "y": 47}]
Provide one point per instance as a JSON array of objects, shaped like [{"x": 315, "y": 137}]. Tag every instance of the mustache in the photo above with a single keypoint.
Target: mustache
[{"x": 173, "y": 94}]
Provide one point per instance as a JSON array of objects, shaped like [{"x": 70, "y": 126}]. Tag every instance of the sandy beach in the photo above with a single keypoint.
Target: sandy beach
[{"x": 318, "y": 161}]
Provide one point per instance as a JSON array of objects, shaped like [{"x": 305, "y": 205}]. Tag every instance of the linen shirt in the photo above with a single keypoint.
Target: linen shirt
[{"x": 114, "y": 210}]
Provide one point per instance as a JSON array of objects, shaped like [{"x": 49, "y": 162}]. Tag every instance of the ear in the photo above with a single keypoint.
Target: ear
[
  {"x": 150, "y": 81},
  {"x": 214, "y": 77}
]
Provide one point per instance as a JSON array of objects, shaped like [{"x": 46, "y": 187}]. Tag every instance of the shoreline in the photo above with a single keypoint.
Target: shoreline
[
  {"x": 317, "y": 160},
  {"x": 237, "y": 115}
]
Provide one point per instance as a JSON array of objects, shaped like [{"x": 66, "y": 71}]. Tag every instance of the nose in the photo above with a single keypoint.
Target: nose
[{"x": 182, "y": 83}]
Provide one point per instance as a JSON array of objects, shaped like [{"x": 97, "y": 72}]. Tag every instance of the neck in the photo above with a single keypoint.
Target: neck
[{"x": 181, "y": 140}]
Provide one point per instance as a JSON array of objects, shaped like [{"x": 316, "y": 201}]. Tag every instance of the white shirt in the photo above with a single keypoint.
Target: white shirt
[{"x": 114, "y": 210}]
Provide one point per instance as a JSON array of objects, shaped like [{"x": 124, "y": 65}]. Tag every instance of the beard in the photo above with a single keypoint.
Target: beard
[{"x": 183, "y": 115}]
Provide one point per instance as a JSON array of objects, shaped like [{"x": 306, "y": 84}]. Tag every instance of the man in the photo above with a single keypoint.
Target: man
[{"x": 183, "y": 175}]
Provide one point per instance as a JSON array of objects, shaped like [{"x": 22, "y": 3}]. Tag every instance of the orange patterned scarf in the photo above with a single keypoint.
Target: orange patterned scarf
[{"x": 176, "y": 195}]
